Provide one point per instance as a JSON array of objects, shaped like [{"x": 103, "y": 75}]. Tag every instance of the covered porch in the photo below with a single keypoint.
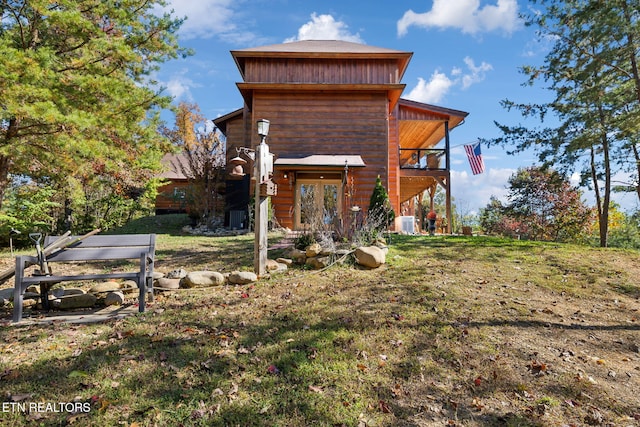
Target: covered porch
[{"x": 424, "y": 155}]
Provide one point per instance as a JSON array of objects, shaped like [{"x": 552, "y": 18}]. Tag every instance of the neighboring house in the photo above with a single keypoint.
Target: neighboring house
[
  {"x": 172, "y": 196},
  {"x": 337, "y": 123}
]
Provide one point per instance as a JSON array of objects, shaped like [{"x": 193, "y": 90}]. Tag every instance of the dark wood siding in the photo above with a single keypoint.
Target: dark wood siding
[
  {"x": 333, "y": 123},
  {"x": 345, "y": 71}
]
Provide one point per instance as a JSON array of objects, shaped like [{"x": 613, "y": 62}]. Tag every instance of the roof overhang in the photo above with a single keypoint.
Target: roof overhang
[
  {"x": 394, "y": 91},
  {"x": 321, "y": 160},
  {"x": 424, "y": 125}
]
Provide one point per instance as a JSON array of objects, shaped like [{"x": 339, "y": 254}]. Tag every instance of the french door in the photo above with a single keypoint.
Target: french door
[{"x": 318, "y": 201}]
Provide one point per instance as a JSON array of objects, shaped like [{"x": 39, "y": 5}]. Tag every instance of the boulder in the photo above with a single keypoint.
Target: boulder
[
  {"x": 242, "y": 277},
  {"x": 179, "y": 273},
  {"x": 271, "y": 265},
  {"x": 370, "y": 256},
  {"x": 114, "y": 298},
  {"x": 6, "y": 293},
  {"x": 313, "y": 249},
  {"x": 73, "y": 291},
  {"x": 199, "y": 279},
  {"x": 165, "y": 283},
  {"x": 318, "y": 262},
  {"x": 157, "y": 275},
  {"x": 298, "y": 256},
  {"x": 286, "y": 261},
  {"x": 34, "y": 289},
  {"x": 99, "y": 288},
  {"x": 75, "y": 301}
]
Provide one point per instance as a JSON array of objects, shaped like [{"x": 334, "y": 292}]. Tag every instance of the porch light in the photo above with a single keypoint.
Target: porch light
[{"x": 263, "y": 129}]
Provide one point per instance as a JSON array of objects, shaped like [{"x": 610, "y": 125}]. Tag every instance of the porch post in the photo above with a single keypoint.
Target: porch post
[{"x": 448, "y": 167}]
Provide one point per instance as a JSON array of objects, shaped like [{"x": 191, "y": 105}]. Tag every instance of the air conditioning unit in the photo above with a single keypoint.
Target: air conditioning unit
[{"x": 407, "y": 224}]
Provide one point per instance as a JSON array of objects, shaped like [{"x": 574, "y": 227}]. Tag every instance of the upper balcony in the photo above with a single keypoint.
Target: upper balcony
[{"x": 423, "y": 161}]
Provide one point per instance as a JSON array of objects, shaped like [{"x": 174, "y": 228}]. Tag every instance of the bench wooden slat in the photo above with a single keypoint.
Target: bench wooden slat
[{"x": 97, "y": 254}]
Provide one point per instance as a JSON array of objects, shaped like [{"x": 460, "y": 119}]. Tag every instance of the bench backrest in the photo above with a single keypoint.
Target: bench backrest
[{"x": 104, "y": 247}]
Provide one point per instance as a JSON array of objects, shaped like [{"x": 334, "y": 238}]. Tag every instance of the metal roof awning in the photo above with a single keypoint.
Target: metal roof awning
[{"x": 322, "y": 160}]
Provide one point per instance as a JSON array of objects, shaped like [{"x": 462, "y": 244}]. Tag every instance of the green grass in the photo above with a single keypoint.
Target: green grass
[{"x": 466, "y": 331}]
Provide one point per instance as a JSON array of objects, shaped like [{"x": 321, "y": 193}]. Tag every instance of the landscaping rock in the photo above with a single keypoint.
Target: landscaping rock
[
  {"x": 75, "y": 301},
  {"x": 165, "y": 283},
  {"x": 114, "y": 298},
  {"x": 286, "y": 261},
  {"x": 179, "y": 273},
  {"x": 6, "y": 293},
  {"x": 313, "y": 249},
  {"x": 298, "y": 256},
  {"x": 34, "y": 289},
  {"x": 157, "y": 275},
  {"x": 73, "y": 291},
  {"x": 242, "y": 277},
  {"x": 99, "y": 288},
  {"x": 370, "y": 256},
  {"x": 28, "y": 302},
  {"x": 318, "y": 263},
  {"x": 273, "y": 265},
  {"x": 198, "y": 279}
]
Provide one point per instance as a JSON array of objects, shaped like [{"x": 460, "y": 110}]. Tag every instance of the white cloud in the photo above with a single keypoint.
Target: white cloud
[
  {"x": 475, "y": 191},
  {"x": 431, "y": 91},
  {"x": 466, "y": 15},
  {"x": 325, "y": 27},
  {"x": 205, "y": 18},
  {"x": 434, "y": 90},
  {"x": 179, "y": 86}
]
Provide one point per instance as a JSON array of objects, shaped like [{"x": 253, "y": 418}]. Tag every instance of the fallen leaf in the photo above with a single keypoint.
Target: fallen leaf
[
  {"x": 315, "y": 389},
  {"x": 382, "y": 405},
  {"x": 273, "y": 369}
]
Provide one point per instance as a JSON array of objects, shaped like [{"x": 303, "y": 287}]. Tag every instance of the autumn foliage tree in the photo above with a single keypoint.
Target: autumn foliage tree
[
  {"x": 75, "y": 91},
  {"x": 203, "y": 162},
  {"x": 542, "y": 205}
]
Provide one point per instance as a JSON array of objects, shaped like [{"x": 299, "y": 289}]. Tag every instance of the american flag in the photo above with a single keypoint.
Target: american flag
[{"x": 475, "y": 158}]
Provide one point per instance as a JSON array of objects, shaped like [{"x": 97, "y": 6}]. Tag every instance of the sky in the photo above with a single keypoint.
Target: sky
[{"x": 467, "y": 56}]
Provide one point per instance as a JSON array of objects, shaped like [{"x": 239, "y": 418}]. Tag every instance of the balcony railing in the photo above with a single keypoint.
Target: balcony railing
[{"x": 423, "y": 158}]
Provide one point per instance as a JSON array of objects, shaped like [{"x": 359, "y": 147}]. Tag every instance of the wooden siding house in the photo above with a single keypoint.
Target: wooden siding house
[
  {"x": 171, "y": 196},
  {"x": 337, "y": 123}
]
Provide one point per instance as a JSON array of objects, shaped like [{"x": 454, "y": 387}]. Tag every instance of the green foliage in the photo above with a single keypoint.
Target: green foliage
[
  {"x": 28, "y": 210},
  {"x": 380, "y": 213},
  {"x": 627, "y": 233},
  {"x": 542, "y": 206},
  {"x": 75, "y": 88},
  {"x": 592, "y": 70},
  {"x": 304, "y": 240}
]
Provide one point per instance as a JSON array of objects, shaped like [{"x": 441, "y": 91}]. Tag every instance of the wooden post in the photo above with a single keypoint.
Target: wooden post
[{"x": 262, "y": 168}]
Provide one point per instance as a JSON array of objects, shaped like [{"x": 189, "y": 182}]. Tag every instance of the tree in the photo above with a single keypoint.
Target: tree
[
  {"x": 380, "y": 210},
  {"x": 592, "y": 69},
  {"x": 75, "y": 88},
  {"x": 546, "y": 206},
  {"x": 204, "y": 163}
]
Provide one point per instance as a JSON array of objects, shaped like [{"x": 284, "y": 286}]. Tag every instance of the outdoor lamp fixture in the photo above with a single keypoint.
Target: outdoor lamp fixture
[{"x": 263, "y": 129}]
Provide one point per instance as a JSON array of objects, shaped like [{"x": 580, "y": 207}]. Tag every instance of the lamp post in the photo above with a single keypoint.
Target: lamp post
[{"x": 263, "y": 169}]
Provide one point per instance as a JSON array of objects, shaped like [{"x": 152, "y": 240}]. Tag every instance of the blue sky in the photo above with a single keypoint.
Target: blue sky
[{"x": 466, "y": 56}]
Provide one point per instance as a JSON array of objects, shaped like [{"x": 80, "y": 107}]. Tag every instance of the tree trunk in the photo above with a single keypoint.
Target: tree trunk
[{"x": 4, "y": 176}]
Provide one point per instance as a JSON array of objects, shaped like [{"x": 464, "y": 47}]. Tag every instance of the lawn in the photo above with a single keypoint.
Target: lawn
[{"x": 455, "y": 331}]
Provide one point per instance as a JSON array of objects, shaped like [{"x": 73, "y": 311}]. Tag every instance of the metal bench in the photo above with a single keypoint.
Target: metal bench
[{"x": 90, "y": 248}]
